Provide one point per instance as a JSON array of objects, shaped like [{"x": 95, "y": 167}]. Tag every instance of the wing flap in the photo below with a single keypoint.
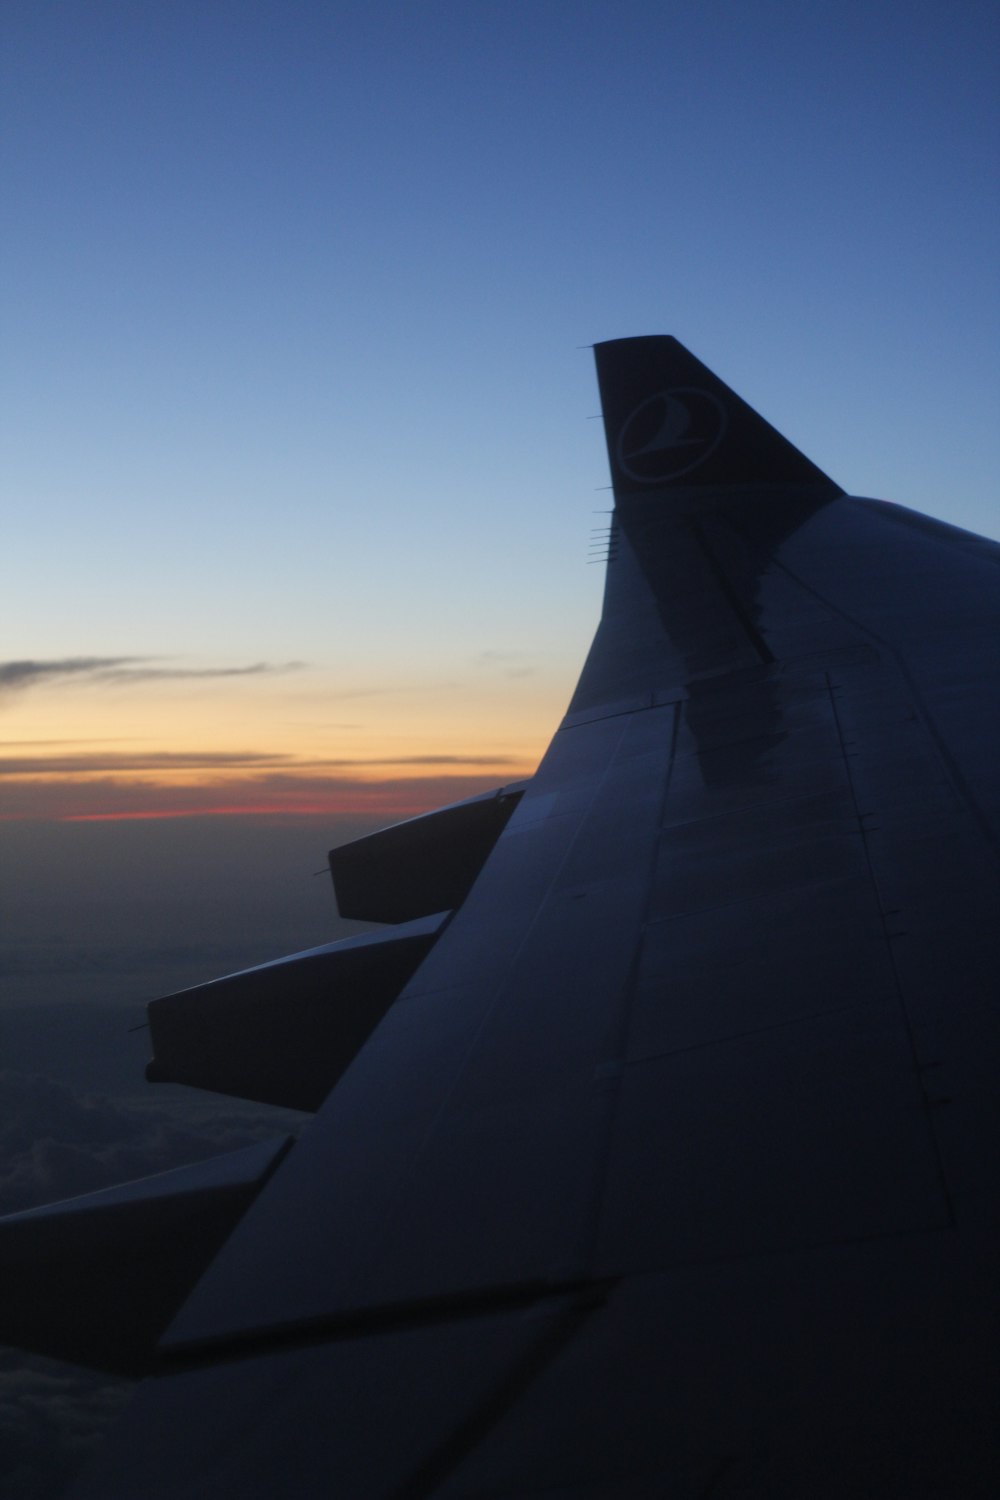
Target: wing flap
[
  {"x": 425, "y": 865},
  {"x": 95, "y": 1280},
  {"x": 284, "y": 1032}
]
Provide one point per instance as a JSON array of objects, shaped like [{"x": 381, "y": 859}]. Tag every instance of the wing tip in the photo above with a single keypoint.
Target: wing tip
[{"x": 671, "y": 423}]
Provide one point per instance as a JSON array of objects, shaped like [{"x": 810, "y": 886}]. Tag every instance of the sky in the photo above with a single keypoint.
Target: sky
[
  {"x": 300, "y": 466},
  {"x": 298, "y": 470}
]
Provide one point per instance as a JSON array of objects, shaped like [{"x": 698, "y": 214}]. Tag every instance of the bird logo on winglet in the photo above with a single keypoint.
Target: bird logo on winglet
[{"x": 670, "y": 434}]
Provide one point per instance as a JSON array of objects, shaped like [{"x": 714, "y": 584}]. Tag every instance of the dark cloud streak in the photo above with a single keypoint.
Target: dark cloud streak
[
  {"x": 119, "y": 763},
  {"x": 122, "y": 671},
  {"x": 131, "y": 675},
  {"x": 25, "y": 674}
]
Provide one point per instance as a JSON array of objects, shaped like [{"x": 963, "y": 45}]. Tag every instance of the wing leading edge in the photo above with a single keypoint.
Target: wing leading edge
[{"x": 673, "y": 1165}]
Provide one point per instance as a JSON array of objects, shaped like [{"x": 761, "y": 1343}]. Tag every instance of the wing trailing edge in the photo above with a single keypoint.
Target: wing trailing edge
[{"x": 96, "y": 1279}]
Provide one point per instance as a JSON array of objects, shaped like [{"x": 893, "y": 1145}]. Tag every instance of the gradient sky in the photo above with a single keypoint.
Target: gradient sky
[{"x": 298, "y": 474}]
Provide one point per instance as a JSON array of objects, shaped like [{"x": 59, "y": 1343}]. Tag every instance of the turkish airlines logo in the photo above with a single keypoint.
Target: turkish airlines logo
[{"x": 670, "y": 434}]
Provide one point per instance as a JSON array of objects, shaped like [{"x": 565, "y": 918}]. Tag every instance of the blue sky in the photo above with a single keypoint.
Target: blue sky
[{"x": 295, "y": 300}]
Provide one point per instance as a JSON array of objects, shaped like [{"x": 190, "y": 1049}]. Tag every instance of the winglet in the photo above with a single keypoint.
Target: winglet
[{"x": 671, "y": 424}]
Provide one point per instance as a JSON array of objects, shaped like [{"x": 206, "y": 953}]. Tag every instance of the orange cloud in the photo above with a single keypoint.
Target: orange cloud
[{"x": 77, "y": 748}]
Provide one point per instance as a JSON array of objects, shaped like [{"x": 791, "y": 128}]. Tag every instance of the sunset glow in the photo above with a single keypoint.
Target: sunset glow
[{"x": 147, "y": 749}]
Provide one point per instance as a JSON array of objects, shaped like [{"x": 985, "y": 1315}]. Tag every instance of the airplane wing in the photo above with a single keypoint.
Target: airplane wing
[{"x": 671, "y": 1165}]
